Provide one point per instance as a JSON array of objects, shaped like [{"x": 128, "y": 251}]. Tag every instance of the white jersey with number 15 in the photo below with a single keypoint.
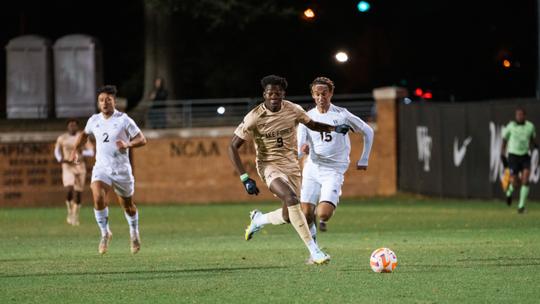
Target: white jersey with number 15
[{"x": 333, "y": 149}]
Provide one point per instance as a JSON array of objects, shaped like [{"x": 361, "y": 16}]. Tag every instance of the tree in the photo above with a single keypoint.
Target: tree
[{"x": 160, "y": 34}]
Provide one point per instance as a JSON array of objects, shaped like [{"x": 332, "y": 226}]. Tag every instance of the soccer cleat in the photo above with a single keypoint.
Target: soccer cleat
[
  {"x": 309, "y": 261},
  {"x": 322, "y": 226},
  {"x": 68, "y": 217},
  {"x": 104, "y": 242},
  {"x": 521, "y": 210},
  {"x": 509, "y": 200},
  {"x": 252, "y": 227},
  {"x": 320, "y": 258},
  {"x": 135, "y": 243}
]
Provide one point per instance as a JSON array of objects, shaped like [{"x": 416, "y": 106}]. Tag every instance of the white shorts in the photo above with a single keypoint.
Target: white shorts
[
  {"x": 320, "y": 184},
  {"x": 123, "y": 183}
]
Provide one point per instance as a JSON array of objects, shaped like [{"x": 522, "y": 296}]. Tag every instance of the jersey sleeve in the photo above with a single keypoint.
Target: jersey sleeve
[
  {"x": 132, "y": 128},
  {"x": 301, "y": 115},
  {"x": 58, "y": 149},
  {"x": 88, "y": 129},
  {"x": 358, "y": 125},
  {"x": 245, "y": 128}
]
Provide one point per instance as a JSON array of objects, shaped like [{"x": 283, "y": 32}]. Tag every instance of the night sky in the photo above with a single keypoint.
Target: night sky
[{"x": 454, "y": 48}]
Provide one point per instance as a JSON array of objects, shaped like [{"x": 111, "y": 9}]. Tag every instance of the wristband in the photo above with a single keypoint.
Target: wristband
[{"x": 244, "y": 177}]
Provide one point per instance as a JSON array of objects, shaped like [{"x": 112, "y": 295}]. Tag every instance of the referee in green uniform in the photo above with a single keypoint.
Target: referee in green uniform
[{"x": 518, "y": 139}]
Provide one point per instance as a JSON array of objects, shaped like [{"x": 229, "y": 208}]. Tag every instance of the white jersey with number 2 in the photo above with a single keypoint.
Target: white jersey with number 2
[
  {"x": 333, "y": 149},
  {"x": 107, "y": 131}
]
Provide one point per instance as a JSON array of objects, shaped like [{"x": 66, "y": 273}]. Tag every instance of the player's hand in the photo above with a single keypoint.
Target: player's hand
[
  {"x": 122, "y": 145},
  {"x": 251, "y": 186},
  {"x": 73, "y": 158},
  {"x": 343, "y": 129},
  {"x": 304, "y": 149}
]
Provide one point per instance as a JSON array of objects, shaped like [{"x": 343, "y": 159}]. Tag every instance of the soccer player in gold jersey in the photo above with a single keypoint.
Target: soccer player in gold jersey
[
  {"x": 272, "y": 126},
  {"x": 73, "y": 174}
]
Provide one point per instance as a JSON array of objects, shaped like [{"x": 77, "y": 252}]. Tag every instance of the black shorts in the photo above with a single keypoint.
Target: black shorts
[{"x": 518, "y": 163}]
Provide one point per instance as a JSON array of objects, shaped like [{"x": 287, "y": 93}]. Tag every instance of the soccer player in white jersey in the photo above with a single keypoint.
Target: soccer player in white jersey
[
  {"x": 115, "y": 134},
  {"x": 328, "y": 155}
]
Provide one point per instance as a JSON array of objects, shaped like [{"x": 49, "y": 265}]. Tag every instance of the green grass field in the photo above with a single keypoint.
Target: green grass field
[{"x": 448, "y": 251}]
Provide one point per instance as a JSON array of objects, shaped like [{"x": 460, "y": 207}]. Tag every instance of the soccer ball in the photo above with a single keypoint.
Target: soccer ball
[{"x": 383, "y": 260}]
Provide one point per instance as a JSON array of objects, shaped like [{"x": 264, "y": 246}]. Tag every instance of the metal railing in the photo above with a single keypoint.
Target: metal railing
[{"x": 230, "y": 111}]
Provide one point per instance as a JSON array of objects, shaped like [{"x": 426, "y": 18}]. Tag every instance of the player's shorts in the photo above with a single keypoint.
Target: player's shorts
[
  {"x": 320, "y": 184},
  {"x": 74, "y": 176},
  {"x": 518, "y": 163},
  {"x": 122, "y": 182},
  {"x": 268, "y": 172}
]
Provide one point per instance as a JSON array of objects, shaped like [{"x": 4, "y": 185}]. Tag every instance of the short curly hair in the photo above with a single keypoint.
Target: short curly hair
[
  {"x": 323, "y": 80},
  {"x": 274, "y": 80},
  {"x": 108, "y": 89}
]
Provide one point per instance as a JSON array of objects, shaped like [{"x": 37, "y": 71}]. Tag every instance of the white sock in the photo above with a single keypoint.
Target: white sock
[
  {"x": 313, "y": 230},
  {"x": 261, "y": 220},
  {"x": 313, "y": 247},
  {"x": 274, "y": 217},
  {"x": 102, "y": 219},
  {"x": 133, "y": 222}
]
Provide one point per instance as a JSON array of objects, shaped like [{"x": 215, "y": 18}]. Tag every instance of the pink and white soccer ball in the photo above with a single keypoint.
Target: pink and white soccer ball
[{"x": 383, "y": 260}]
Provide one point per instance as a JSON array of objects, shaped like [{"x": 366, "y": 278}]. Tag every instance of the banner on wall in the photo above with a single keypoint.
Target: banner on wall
[{"x": 453, "y": 149}]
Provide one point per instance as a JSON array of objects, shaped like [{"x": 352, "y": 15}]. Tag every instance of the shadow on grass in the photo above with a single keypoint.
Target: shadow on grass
[{"x": 137, "y": 272}]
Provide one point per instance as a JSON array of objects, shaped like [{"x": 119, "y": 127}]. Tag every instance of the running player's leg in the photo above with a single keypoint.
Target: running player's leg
[
  {"x": 76, "y": 202},
  {"x": 524, "y": 191},
  {"x": 68, "y": 180},
  {"x": 69, "y": 204},
  {"x": 331, "y": 182},
  {"x": 309, "y": 195},
  {"x": 325, "y": 210},
  {"x": 285, "y": 193},
  {"x": 515, "y": 168},
  {"x": 124, "y": 190},
  {"x": 100, "y": 191}
]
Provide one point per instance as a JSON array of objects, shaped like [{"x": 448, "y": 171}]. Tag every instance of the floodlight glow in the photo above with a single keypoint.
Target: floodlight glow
[
  {"x": 342, "y": 57},
  {"x": 363, "y": 6},
  {"x": 309, "y": 13}
]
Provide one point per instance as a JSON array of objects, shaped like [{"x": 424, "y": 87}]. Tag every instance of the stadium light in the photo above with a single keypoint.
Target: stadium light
[
  {"x": 341, "y": 57},
  {"x": 506, "y": 64},
  {"x": 363, "y": 6},
  {"x": 309, "y": 13},
  {"x": 221, "y": 110}
]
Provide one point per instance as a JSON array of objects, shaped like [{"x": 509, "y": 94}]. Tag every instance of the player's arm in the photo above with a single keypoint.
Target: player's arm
[
  {"x": 234, "y": 156},
  {"x": 81, "y": 140},
  {"x": 322, "y": 127},
  {"x": 138, "y": 140},
  {"x": 360, "y": 126},
  {"x": 58, "y": 151},
  {"x": 302, "y": 140}
]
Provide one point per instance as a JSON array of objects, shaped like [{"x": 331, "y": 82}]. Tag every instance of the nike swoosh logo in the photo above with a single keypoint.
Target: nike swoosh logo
[{"x": 459, "y": 153}]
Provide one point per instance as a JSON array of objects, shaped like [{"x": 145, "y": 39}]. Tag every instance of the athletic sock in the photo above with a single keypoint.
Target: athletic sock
[
  {"x": 275, "y": 218},
  {"x": 102, "y": 219},
  {"x": 313, "y": 231},
  {"x": 133, "y": 222},
  {"x": 510, "y": 190},
  {"x": 298, "y": 220},
  {"x": 523, "y": 193}
]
